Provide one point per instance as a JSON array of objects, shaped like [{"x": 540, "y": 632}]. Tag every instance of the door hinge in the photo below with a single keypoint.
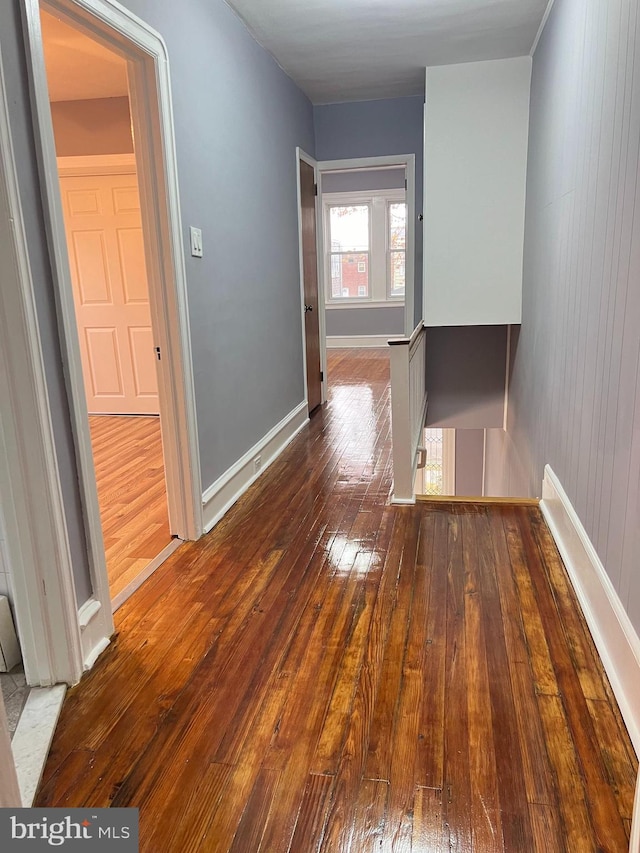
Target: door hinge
[
  {"x": 157, "y": 352},
  {"x": 405, "y": 183},
  {"x": 322, "y": 376},
  {"x": 315, "y": 189}
]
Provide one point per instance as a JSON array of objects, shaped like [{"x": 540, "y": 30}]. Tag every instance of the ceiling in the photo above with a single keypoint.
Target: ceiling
[
  {"x": 77, "y": 66},
  {"x": 348, "y": 50},
  {"x": 335, "y": 50}
]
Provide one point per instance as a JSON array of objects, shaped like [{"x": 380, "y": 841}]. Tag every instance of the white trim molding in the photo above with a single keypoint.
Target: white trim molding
[
  {"x": 360, "y": 341},
  {"x": 92, "y": 635},
  {"x": 616, "y": 640},
  {"x": 221, "y": 495},
  {"x": 119, "y": 599},
  {"x": 543, "y": 24},
  {"x": 378, "y": 248},
  {"x": 408, "y": 411},
  {"x": 352, "y": 165},
  {"x": 342, "y": 306},
  {"x": 96, "y": 164},
  {"x": 30, "y": 490},
  {"x": 109, "y": 23}
]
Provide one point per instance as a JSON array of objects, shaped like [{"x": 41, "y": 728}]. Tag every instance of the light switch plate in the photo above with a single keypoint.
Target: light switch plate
[{"x": 196, "y": 241}]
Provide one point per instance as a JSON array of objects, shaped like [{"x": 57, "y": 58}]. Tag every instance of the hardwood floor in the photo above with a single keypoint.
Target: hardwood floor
[
  {"x": 324, "y": 672},
  {"x": 127, "y": 453}
]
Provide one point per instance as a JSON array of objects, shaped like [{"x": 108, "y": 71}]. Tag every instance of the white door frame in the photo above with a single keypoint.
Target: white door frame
[
  {"x": 409, "y": 162},
  {"x": 44, "y": 599},
  {"x": 302, "y": 156},
  {"x": 150, "y": 93}
]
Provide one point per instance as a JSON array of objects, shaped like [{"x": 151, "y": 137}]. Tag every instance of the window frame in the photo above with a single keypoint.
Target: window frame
[
  {"x": 329, "y": 252},
  {"x": 395, "y": 297},
  {"x": 379, "y": 257}
]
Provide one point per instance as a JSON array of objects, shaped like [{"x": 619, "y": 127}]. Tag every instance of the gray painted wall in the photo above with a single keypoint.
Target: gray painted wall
[
  {"x": 466, "y": 376},
  {"x": 376, "y": 129},
  {"x": 365, "y": 321},
  {"x": 575, "y": 388},
  {"x": 469, "y": 462},
  {"x": 92, "y": 126},
  {"x": 238, "y": 120},
  {"x": 362, "y": 180}
]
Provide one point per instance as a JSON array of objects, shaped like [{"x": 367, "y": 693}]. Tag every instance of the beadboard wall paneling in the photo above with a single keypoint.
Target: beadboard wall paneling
[{"x": 574, "y": 397}]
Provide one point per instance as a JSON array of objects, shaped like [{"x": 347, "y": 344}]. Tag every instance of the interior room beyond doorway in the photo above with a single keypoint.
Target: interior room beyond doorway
[
  {"x": 88, "y": 88},
  {"x": 364, "y": 231}
]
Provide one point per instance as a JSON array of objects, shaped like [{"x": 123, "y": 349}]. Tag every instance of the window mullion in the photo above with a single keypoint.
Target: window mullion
[{"x": 378, "y": 250}]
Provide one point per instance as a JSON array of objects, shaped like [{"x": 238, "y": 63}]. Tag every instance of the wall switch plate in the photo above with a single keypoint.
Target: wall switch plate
[{"x": 196, "y": 241}]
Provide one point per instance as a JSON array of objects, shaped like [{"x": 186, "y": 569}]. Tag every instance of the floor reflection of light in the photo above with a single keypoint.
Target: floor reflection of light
[
  {"x": 357, "y": 418},
  {"x": 346, "y": 555}
]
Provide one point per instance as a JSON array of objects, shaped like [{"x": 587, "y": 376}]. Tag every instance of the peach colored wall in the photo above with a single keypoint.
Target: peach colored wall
[{"x": 95, "y": 126}]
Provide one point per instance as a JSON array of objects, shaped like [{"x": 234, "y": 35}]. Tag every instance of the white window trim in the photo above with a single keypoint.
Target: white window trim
[
  {"x": 379, "y": 259},
  {"x": 391, "y": 296}
]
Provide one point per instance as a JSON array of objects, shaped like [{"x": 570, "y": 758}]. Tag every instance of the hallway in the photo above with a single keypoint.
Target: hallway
[{"x": 324, "y": 672}]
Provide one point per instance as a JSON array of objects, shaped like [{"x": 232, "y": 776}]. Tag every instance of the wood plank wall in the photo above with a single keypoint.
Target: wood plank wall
[{"x": 575, "y": 392}]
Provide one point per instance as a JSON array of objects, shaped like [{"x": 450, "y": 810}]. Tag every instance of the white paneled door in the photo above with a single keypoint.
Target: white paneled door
[{"x": 106, "y": 255}]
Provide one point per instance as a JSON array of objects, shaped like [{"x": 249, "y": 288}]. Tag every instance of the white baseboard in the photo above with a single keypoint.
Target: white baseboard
[
  {"x": 221, "y": 495},
  {"x": 634, "y": 841},
  {"x": 94, "y": 631},
  {"x": 337, "y": 341},
  {"x": 615, "y": 638},
  {"x": 119, "y": 599}
]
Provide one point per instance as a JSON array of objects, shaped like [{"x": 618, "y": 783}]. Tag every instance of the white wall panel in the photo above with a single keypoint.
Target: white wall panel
[
  {"x": 476, "y": 127},
  {"x": 574, "y": 399}
]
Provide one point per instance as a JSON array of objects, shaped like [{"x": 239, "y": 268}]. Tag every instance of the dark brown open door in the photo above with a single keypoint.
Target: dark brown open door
[{"x": 310, "y": 276}]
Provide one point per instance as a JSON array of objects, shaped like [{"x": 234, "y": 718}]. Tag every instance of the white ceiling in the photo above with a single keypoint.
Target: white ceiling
[
  {"x": 348, "y": 50},
  {"x": 335, "y": 50},
  {"x": 77, "y": 66}
]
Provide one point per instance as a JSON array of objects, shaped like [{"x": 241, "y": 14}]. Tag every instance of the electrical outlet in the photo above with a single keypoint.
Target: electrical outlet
[
  {"x": 196, "y": 241},
  {"x": 257, "y": 462}
]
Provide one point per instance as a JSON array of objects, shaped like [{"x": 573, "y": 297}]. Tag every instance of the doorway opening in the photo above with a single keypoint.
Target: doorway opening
[
  {"x": 367, "y": 250},
  {"x": 357, "y": 246},
  {"x": 110, "y": 258},
  {"x": 90, "y": 107}
]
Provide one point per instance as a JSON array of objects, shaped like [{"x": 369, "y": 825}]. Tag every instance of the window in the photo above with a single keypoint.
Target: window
[
  {"x": 365, "y": 247},
  {"x": 439, "y": 471},
  {"x": 349, "y": 249},
  {"x": 397, "y": 244}
]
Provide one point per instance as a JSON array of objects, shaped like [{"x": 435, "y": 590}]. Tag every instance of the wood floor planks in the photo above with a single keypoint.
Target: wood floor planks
[
  {"x": 325, "y": 672},
  {"x": 127, "y": 454}
]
